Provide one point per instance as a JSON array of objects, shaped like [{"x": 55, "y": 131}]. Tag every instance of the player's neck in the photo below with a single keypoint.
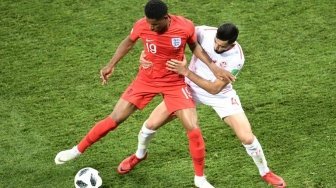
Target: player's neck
[
  {"x": 231, "y": 46},
  {"x": 169, "y": 21}
]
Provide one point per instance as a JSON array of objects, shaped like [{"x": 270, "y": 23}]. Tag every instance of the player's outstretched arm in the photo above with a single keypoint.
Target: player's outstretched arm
[
  {"x": 181, "y": 68},
  {"x": 120, "y": 52},
  {"x": 221, "y": 74}
]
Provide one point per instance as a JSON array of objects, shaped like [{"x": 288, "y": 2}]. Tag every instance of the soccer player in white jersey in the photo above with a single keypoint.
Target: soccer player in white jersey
[{"x": 222, "y": 47}]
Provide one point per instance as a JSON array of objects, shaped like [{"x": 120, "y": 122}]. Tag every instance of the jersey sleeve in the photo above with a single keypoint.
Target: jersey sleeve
[
  {"x": 192, "y": 37},
  {"x": 235, "y": 66},
  {"x": 135, "y": 32},
  {"x": 238, "y": 63},
  {"x": 200, "y": 30},
  {"x": 199, "y": 33}
]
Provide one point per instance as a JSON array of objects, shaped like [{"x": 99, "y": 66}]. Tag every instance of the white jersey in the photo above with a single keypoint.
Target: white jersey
[
  {"x": 225, "y": 102},
  {"x": 231, "y": 60}
]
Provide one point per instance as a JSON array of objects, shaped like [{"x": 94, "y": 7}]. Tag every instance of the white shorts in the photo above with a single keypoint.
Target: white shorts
[{"x": 224, "y": 104}]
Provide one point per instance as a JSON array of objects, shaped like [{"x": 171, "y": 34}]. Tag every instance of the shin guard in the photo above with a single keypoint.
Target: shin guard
[
  {"x": 98, "y": 131},
  {"x": 197, "y": 150}
]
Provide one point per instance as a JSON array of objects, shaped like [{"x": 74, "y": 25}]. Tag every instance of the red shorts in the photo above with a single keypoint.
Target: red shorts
[{"x": 140, "y": 93}]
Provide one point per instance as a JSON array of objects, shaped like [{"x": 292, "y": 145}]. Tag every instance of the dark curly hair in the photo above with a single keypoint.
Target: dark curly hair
[
  {"x": 227, "y": 32},
  {"x": 156, "y": 9}
]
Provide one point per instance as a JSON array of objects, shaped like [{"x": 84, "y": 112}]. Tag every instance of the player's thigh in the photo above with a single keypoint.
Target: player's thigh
[
  {"x": 140, "y": 93},
  {"x": 177, "y": 98},
  {"x": 159, "y": 117},
  {"x": 241, "y": 126},
  {"x": 122, "y": 110},
  {"x": 188, "y": 118},
  {"x": 223, "y": 105}
]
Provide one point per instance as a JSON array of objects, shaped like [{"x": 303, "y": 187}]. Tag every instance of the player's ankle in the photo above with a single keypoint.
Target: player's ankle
[
  {"x": 264, "y": 172},
  {"x": 140, "y": 154},
  {"x": 199, "y": 177},
  {"x": 75, "y": 150},
  {"x": 202, "y": 182}
]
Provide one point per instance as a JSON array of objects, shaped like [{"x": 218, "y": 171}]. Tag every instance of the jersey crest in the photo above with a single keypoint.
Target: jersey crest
[{"x": 176, "y": 42}]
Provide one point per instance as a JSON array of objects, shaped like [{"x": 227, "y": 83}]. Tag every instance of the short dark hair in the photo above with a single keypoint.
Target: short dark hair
[
  {"x": 156, "y": 9},
  {"x": 227, "y": 32}
]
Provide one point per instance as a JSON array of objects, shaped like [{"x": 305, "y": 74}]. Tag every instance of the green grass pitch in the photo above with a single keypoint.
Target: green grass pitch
[{"x": 50, "y": 94}]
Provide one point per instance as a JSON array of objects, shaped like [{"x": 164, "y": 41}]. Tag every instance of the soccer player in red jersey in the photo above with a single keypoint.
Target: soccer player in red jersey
[{"x": 164, "y": 37}]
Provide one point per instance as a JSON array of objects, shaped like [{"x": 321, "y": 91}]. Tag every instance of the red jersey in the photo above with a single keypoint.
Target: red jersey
[{"x": 159, "y": 48}]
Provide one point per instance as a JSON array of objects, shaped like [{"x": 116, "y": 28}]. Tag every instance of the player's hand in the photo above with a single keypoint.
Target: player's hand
[
  {"x": 105, "y": 73},
  {"x": 143, "y": 62},
  {"x": 222, "y": 74},
  {"x": 178, "y": 66}
]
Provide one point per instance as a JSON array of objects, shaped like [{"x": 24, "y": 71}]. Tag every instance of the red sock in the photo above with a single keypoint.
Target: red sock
[
  {"x": 98, "y": 131},
  {"x": 197, "y": 150}
]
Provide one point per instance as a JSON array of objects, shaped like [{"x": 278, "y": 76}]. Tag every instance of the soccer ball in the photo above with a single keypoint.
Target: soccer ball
[{"x": 88, "y": 178}]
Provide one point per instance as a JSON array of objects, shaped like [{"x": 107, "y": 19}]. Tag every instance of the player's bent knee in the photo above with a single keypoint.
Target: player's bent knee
[
  {"x": 248, "y": 139},
  {"x": 151, "y": 125}
]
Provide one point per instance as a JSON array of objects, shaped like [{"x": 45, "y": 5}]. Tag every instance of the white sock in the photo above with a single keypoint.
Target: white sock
[
  {"x": 199, "y": 178},
  {"x": 257, "y": 154},
  {"x": 144, "y": 137}
]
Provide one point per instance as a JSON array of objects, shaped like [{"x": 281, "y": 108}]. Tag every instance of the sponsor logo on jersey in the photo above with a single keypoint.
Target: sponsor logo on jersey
[{"x": 176, "y": 42}]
